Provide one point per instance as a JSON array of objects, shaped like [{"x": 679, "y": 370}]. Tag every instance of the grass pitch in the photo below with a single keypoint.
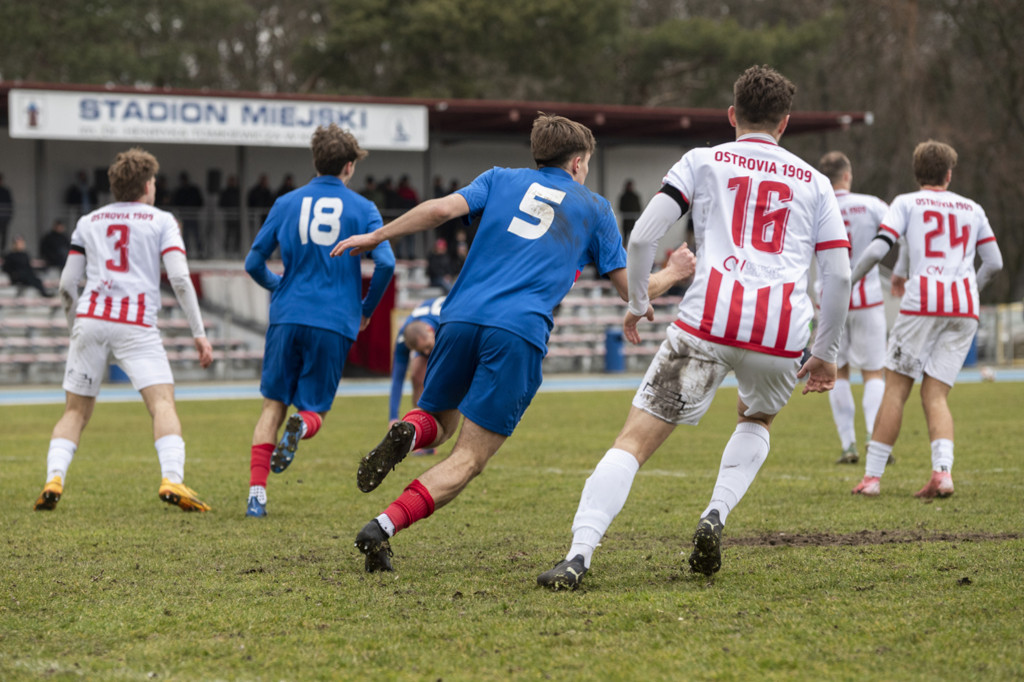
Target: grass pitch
[{"x": 815, "y": 584}]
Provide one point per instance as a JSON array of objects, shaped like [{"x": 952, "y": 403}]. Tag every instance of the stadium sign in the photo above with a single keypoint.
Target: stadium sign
[{"x": 133, "y": 117}]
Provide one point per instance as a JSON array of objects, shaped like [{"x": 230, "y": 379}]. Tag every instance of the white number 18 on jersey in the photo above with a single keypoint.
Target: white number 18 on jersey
[{"x": 325, "y": 225}]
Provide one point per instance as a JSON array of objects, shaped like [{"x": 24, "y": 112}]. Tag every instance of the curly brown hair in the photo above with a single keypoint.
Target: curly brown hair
[
  {"x": 556, "y": 140},
  {"x": 333, "y": 147},
  {"x": 932, "y": 160},
  {"x": 762, "y": 97},
  {"x": 130, "y": 173}
]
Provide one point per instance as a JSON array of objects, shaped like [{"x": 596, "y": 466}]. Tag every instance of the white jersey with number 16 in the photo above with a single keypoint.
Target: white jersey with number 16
[{"x": 759, "y": 214}]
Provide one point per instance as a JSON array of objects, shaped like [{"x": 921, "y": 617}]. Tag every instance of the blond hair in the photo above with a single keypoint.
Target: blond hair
[{"x": 130, "y": 173}]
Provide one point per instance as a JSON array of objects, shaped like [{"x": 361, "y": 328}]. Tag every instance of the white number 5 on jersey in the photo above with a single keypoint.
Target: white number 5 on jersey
[
  {"x": 325, "y": 226},
  {"x": 542, "y": 211}
]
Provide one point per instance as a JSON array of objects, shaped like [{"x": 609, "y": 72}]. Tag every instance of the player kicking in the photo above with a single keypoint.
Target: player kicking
[
  {"x": 118, "y": 248},
  {"x": 759, "y": 215},
  {"x": 863, "y": 342},
  {"x": 938, "y": 312},
  {"x": 536, "y": 226},
  {"x": 413, "y": 344},
  {"x": 315, "y": 307}
]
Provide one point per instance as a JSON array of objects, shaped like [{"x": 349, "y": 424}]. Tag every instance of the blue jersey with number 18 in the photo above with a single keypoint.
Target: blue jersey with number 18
[
  {"x": 536, "y": 228},
  {"x": 317, "y": 290}
]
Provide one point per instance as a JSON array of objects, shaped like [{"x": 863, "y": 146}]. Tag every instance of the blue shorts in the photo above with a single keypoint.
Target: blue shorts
[
  {"x": 302, "y": 365},
  {"x": 489, "y": 374}
]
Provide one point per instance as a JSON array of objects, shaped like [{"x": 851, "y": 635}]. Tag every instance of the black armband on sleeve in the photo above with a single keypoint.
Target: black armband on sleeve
[
  {"x": 676, "y": 195},
  {"x": 886, "y": 237},
  {"x": 77, "y": 249}
]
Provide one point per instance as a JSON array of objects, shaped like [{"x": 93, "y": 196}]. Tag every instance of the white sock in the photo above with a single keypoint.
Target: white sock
[
  {"x": 603, "y": 497},
  {"x": 942, "y": 455},
  {"x": 387, "y": 524},
  {"x": 259, "y": 492},
  {"x": 843, "y": 411},
  {"x": 878, "y": 455},
  {"x": 742, "y": 458},
  {"x": 873, "y": 391},
  {"x": 59, "y": 457},
  {"x": 171, "y": 452}
]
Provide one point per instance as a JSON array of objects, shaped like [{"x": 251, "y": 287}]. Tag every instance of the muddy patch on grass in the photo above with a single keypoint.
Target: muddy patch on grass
[{"x": 863, "y": 537}]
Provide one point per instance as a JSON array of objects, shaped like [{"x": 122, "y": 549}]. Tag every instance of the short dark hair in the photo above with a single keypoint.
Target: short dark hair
[
  {"x": 762, "y": 97},
  {"x": 932, "y": 160},
  {"x": 333, "y": 147},
  {"x": 833, "y": 165},
  {"x": 555, "y": 140}
]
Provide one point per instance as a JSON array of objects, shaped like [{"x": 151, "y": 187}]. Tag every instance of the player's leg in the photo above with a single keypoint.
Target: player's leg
[
  {"x": 940, "y": 371},
  {"x": 263, "y": 436},
  {"x": 677, "y": 389},
  {"x": 840, "y": 398},
  {"x": 63, "y": 443},
  {"x": 417, "y": 374},
  {"x": 765, "y": 384},
  {"x": 507, "y": 374},
  {"x": 319, "y": 360},
  {"x": 874, "y": 389},
  {"x": 170, "y": 448},
  {"x": 449, "y": 375},
  {"x": 867, "y": 351},
  {"x": 86, "y": 363}
]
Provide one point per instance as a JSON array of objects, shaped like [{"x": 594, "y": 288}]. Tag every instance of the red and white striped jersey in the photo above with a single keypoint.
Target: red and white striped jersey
[
  {"x": 123, "y": 244},
  {"x": 759, "y": 213},
  {"x": 862, "y": 215},
  {"x": 942, "y": 231}
]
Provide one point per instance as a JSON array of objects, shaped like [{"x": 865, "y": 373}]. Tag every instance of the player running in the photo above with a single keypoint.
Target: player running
[
  {"x": 759, "y": 215},
  {"x": 863, "y": 341},
  {"x": 938, "y": 319},
  {"x": 119, "y": 248},
  {"x": 536, "y": 226},
  {"x": 315, "y": 307}
]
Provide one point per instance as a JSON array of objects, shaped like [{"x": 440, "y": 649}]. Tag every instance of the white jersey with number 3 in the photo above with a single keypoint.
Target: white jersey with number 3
[
  {"x": 942, "y": 231},
  {"x": 759, "y": 214},
  {"x": 123, "y": 245}
]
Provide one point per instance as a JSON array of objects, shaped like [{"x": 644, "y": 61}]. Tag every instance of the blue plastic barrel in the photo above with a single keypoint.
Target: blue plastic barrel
[{"x": 614, "y": 358}]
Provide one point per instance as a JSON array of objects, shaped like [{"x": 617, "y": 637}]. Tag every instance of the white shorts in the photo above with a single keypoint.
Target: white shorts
[
  {"x": 138, "y": 350},
  {"x": 686, "y": 372},
  {"x": 936, "y": 346},
  {"x": 863, "y": 342}
]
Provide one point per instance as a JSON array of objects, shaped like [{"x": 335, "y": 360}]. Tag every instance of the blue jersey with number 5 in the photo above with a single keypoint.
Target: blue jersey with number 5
[
  {"x": 317, "y": 290},
  {"x": 536, "y": 228}
]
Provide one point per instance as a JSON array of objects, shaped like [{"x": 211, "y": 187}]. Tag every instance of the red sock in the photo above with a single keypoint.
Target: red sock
[
  {"x": 259, "y": 465},
  {"x": 313, "y": 423},
  {"x": 413, "y": 504},
  {"x": 426, "y": 428}
]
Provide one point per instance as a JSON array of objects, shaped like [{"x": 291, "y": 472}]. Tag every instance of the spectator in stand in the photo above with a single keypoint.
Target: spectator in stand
[
  {"x": 230, "y": 203},
  {"x": 18, "y": 266},
  {"x": 6, "y": 212},
  {"x": 80, "y": 197},
  {"x": 162, "y": 196},
  {"x": 406, "y": 194},
  {"x": 439, "y": 267},
  {"x": 373, "y": 192},
  {"x": 629, "y": 210},
  {"x": 438, "y": 189},
  {"x": 461, "y": 251},
  {"x": 189, "y": 199},
  {"x": 391, "y": 201},
  {"x": 260, "y": 198},
  {"x": 287, "y": 185},
  {"x": 54, "y": 246}
]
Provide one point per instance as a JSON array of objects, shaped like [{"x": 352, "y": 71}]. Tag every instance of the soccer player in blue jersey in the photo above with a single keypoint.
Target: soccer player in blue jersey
[
  {"x": 536, "y": 226},
  {"x": 315, "y": 307},
  {"x": 413, "y": 344}
]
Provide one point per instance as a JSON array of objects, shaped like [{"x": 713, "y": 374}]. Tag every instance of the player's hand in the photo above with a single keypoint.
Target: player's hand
[
  {"x": 821, "y": 375},
  {"x": 898, "y": 287},
  {"x": 629, "y": 325},
  {"x": 357, "y": 244},
  {"x": 681, "y": 262},
  {"x": 205, "y": 351},
  {"x": 364, "y": 322}
]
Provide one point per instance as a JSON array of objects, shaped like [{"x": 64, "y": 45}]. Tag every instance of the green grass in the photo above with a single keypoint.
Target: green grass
[{"x": 115, "y": 584}]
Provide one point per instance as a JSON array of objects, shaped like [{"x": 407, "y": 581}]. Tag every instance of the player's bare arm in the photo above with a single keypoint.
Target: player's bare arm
[{"x": 425, "y": 216}]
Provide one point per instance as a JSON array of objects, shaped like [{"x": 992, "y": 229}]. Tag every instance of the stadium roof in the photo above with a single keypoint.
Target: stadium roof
[{"x": 462, "y": 118}]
